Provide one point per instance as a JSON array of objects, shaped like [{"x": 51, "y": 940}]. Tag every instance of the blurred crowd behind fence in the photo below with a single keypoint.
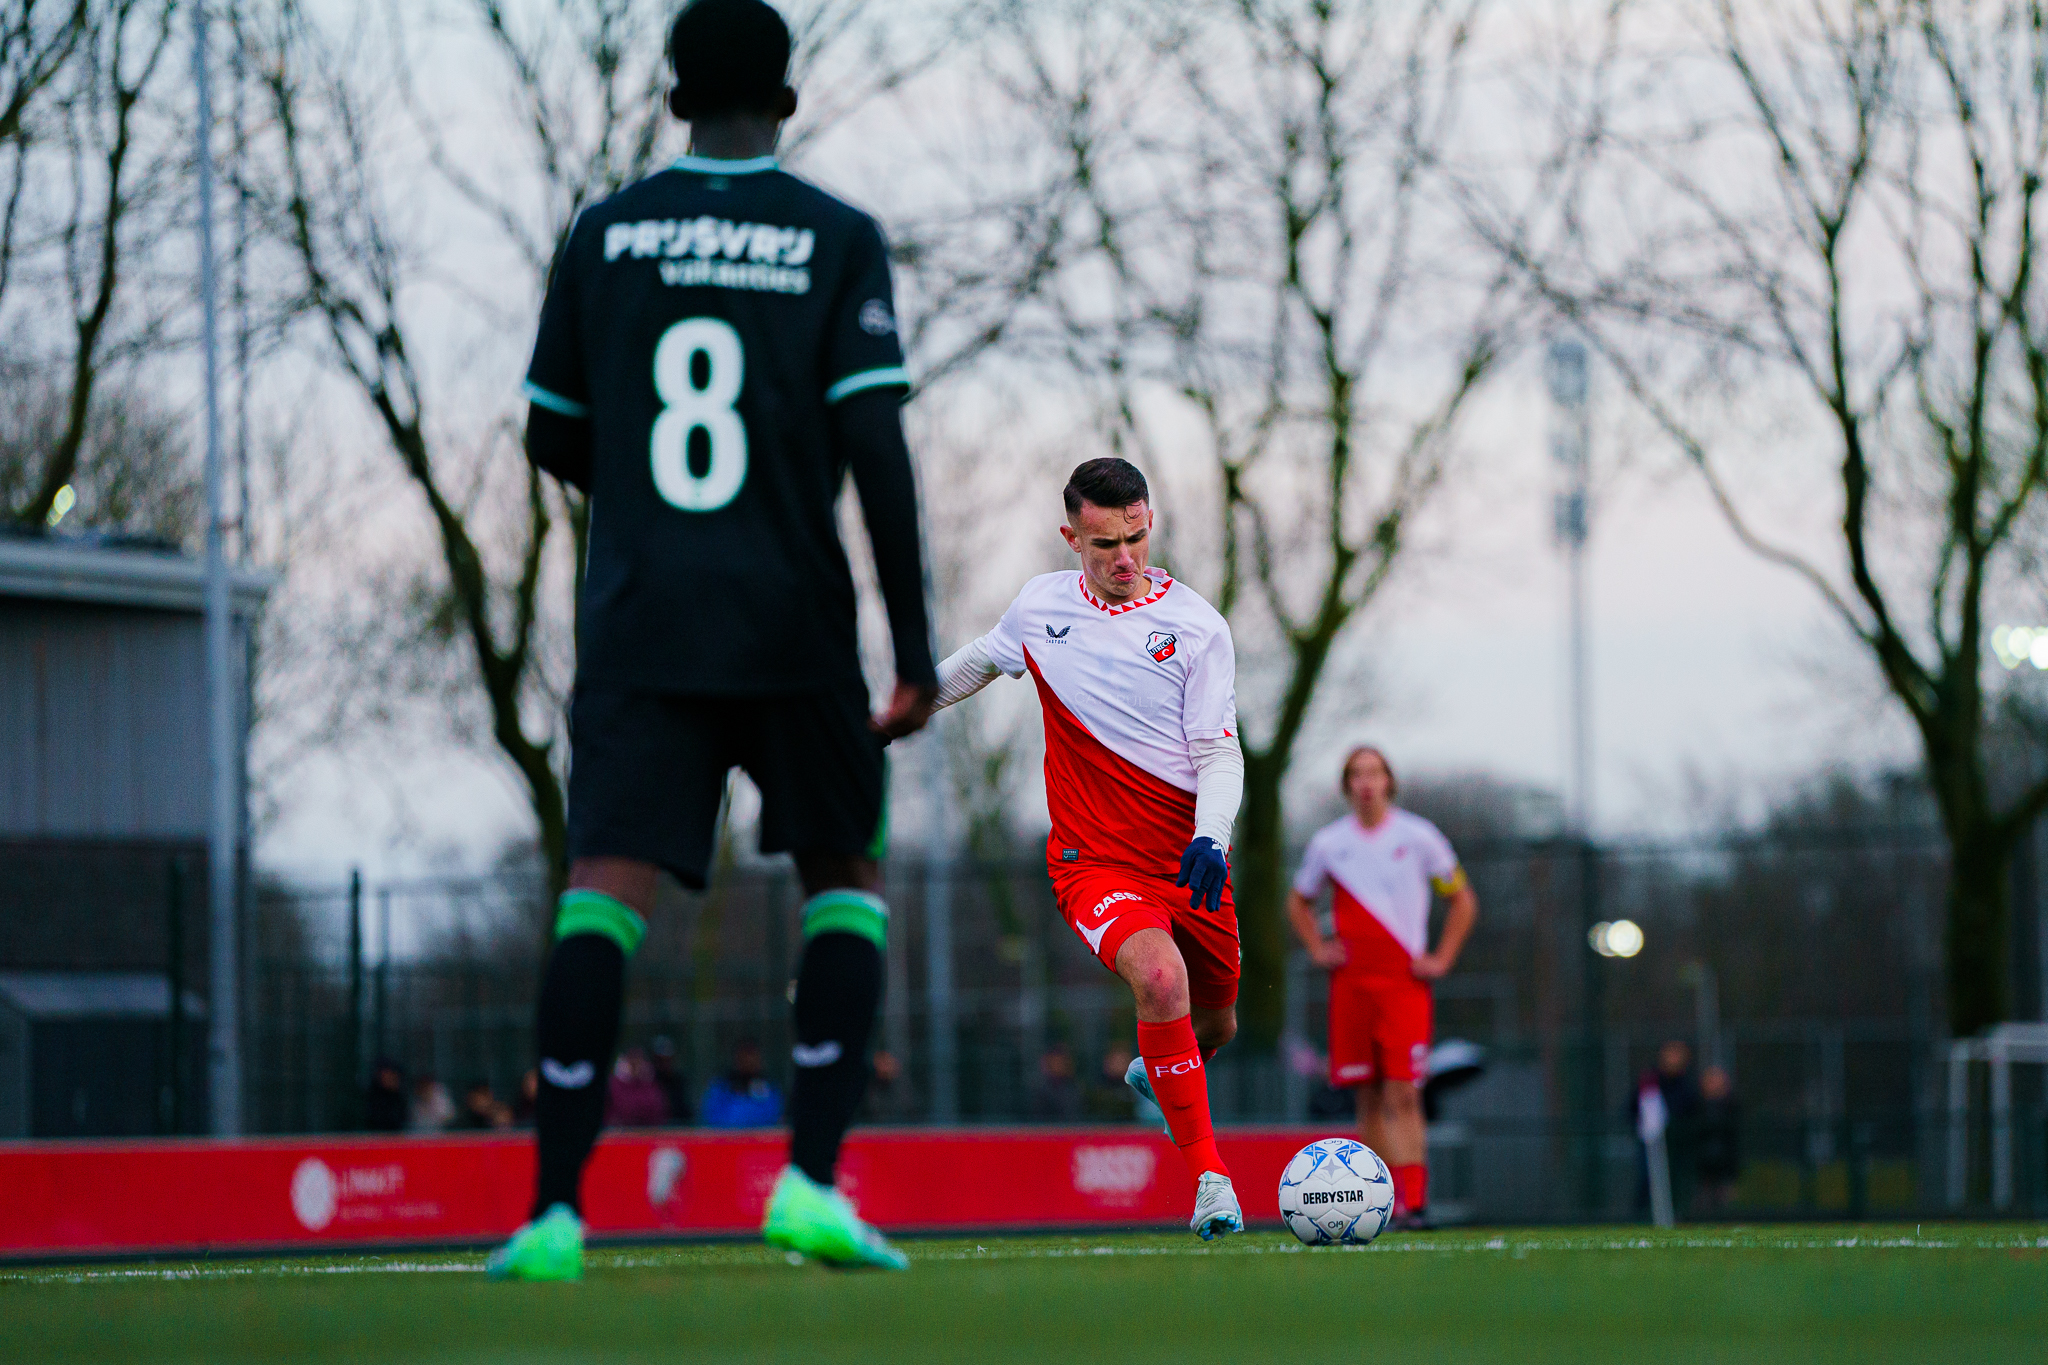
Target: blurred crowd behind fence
[{"x": 1807, "y": 965}]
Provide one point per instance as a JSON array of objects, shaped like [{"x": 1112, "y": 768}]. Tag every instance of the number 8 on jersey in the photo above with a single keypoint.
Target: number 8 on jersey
[{"x": 686, "y": 408}]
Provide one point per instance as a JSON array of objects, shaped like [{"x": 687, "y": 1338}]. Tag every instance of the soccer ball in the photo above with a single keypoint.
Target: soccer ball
[{"x": 1336, "y": 1190}]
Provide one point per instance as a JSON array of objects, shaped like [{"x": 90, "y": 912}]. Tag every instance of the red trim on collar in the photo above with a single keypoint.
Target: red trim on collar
[{"x": 1148, "y": 599}]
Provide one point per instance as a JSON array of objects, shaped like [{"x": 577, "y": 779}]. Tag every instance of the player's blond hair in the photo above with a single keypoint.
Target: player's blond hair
[{"x": 1344, "y": 773}]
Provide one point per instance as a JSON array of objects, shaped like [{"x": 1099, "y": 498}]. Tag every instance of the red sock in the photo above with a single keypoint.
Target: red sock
[
  {"x": 1411, "y": 1187},
  {"x": 1174, "y": 1064}
]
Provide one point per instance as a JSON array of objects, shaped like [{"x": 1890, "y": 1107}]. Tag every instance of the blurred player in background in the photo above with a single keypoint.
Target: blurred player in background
[
  {"x": 717, "y": 350},
  {"x": 1384, "y": 863},
  {"x": 1138, "y": 682}
]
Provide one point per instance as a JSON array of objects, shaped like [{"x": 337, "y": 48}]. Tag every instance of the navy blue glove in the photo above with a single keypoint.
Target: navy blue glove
[{"x": 1204, "y": 869}]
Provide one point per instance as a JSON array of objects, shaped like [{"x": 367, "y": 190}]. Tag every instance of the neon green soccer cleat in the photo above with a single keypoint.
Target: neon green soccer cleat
[
  {"x": 548, "y": 1248},
  {"x": 805, "y": 1217}
]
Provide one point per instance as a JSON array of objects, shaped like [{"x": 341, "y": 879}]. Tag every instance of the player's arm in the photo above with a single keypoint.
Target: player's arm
[
  {"x": 867, "y": 428},
  {"x": 966, "y": 671},
  {"x": 559, "y": 445},
  {"x": 1459, "y": 917},
  {"x": 980, "y": 662},
  {"x": 1208, "y": 718},
  {"x": 1301, "y": 913},
  {"x": 558, "y": 438},
  {"x": 1219, "y": 790}
]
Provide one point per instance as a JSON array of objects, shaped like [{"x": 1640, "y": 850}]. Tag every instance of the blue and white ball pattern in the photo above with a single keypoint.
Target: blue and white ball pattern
[{"x": 1336, "y": 1191}]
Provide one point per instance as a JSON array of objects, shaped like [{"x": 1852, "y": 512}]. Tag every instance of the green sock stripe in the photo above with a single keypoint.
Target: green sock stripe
[
  {"x": 847, "y": 912},
  {"x": 593, "y": 912}
]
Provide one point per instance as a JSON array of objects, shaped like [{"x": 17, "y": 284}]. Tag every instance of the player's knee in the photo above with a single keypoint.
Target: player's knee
[
  {"x": 1161, "y": 988},
  {"x": 1401, "y": 1099}
]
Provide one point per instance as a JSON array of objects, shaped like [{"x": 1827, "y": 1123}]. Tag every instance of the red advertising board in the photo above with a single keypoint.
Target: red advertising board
[{"x": 99, "y": 1197}]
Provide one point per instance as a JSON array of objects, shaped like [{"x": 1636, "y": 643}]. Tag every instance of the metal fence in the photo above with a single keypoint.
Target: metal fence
[{"x": 1806, "y": 964}]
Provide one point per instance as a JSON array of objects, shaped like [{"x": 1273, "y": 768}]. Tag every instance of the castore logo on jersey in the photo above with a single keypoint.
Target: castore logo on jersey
[{"x": 1059, "y": 634}]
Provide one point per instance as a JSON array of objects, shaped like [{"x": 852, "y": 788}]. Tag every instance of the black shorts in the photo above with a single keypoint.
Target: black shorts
[{"x": 647, "y": 774}]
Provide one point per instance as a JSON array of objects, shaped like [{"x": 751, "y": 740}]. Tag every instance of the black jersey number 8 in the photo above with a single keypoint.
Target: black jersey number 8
[{"x": 685, "y": 408}]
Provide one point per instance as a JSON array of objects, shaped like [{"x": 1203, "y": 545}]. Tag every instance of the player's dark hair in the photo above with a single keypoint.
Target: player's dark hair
[
  {"x": 1107, "y": 482},
  {"x": 1344, "y": 773},
  {"x": 729, "y": 56}
]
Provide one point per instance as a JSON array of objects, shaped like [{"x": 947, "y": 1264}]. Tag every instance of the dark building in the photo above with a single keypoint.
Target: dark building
[{"x": 104, "y": 785}]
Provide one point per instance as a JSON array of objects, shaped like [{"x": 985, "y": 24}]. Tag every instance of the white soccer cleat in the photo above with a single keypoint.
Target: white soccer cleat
[
  {"x": 1216, "y": 1208},
  {"x": 1137, "y": 1080}
]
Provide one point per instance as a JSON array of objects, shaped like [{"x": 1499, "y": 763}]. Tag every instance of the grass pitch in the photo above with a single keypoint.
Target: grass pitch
[{"x": 1859, "y": 1293}]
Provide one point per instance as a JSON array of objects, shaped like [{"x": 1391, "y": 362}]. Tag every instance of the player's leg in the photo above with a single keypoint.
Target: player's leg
[
  {"x": 1401, "y": 1044},
  {"x": 838, "y": 993},
  {"x": 598, "y": 924},
  {"x": 1214, "y": 1027},
  {"x": 1372, "y": 1121},
  {"x": 646, "y": 777},
  {"x": 1151, "y": 963},
  {"x": 1207, "y": 940},
  {"x": 820, "y": 771},
  {"x": 1405, "y": 1145},
  {"x": 1352, "y": 1063}
]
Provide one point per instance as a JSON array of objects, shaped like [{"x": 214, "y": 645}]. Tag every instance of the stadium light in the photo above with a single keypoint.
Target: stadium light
[
  {"x": 61, "y": 505},
  {"x": 1616, "y": 938},
  {"x": 2016, "y": 645}
]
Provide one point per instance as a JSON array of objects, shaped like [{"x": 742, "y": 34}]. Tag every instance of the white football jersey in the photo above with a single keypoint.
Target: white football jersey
[
  {"x": 1124, "y": 689},
  {"x": 1383, "y": 879}
]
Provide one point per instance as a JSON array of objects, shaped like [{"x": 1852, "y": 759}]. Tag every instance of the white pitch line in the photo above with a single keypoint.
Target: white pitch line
[{"x": 1518, "y": 1248}]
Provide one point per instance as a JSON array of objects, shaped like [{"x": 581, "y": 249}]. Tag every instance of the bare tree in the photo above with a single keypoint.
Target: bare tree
[
  {"x": 1833, "y": 211},
  {"x": 135, "y": 475},
  {"x": 36, "y": 42},
  {"x": 90, "y": 175},
  {"x": 1273, "y": 285}
]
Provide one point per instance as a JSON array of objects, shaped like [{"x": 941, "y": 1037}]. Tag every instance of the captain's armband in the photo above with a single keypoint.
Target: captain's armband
[{"x": 1451, "y": 885}]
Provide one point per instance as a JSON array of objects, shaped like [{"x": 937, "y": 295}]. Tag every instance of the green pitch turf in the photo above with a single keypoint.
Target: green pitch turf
[{"x": 1863, "y": 1293}]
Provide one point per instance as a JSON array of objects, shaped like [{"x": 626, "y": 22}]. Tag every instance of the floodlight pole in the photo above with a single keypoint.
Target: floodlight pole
[
  {"x": 1570, "y": 443},
  {"x": 940, "y": 1023},
  {"x": 224, "y": 1048}
]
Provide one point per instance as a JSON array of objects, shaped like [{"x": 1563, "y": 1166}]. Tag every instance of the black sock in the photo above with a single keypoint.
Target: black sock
[
  {"x": 838, "y": 987},
  {"x": 578, "y": 1031}
]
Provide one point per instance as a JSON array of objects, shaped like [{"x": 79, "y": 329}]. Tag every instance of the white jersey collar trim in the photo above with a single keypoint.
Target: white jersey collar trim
[{"x": 1158, "y": 576}]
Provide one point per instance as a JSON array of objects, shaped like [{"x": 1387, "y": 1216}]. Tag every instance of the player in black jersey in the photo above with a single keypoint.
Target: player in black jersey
[{"x": 717, "y": 351}]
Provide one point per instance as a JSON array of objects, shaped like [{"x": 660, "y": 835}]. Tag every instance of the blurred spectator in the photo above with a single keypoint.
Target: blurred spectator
[
  {"x": 1717, "y": 1141},
  {"x": 384, "y": 1102},
  {"x": 1108, "y": 1099},
  {"x": 1674, "y": 1081},
  {"x": 634, "y": 1099},
  {"x": 432, "y": 1107},
  {"x": 1057, "y": 1096},
  {"x": 668, "y": 1074},
  {"x": 480, "y": 1108},
  {"x": 528, "y": 1097},
  {"x": 885, "y": 1098},
  {"x": 743, "y": 1096}
]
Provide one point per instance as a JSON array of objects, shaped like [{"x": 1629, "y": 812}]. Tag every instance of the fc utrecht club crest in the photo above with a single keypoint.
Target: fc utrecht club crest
[{"x": 1159, "y": 645}]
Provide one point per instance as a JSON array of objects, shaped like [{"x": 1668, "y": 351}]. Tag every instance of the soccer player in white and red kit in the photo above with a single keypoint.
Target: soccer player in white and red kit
[
  {"x": 1143, "y": 774},
  {"x": 1383, "y": 863}
]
